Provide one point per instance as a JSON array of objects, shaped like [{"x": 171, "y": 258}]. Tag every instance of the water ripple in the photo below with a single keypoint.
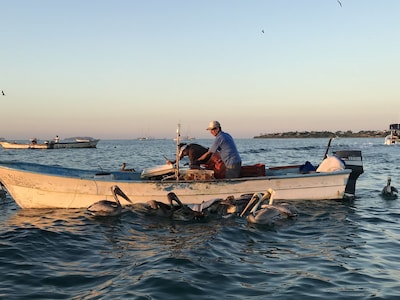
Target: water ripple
[{"x": 340, "y": 250}]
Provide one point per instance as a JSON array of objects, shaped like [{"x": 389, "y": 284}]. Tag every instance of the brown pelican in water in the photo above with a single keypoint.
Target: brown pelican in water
[
  {"x": 182, "y": 212},
  {"x": 107, "y": 208},
  {"x": 389, "y": 192},
  {"x": 124, "y": 169},
  {"x": 267, "y": 213},
  {"x": 175, "y": 209},
  {"x": 224, "y": 208},
  {"x": 3, "y": 192}
]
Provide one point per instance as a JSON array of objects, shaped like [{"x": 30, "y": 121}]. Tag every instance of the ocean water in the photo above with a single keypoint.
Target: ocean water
[{"x": 334, "y": 249}]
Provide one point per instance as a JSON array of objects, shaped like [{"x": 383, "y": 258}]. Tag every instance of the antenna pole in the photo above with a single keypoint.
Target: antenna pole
[{"x": 178, "y": 141}]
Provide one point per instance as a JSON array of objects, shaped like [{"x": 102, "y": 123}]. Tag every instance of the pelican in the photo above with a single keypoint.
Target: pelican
[
  {"x": 267, "y": 213},
  {"x": 224, "y": 208},
  {"x": 181, "y": 212},
  {"x": 107, "y": 208},
  {"x": 175, "y": 210},
  {"x": 221, "y": 208},
  {"x": 389, "y": 192},
  {"x": 124, "y": 169},
  {"x": 3, "y": 192},
  {"x": 153, "y": 208}
]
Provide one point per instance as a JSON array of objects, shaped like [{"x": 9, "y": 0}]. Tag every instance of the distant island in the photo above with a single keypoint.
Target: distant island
[{"x": 325, "y": 134}]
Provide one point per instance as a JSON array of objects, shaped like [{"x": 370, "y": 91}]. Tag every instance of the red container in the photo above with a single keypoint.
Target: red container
[{"x": 252, "y": 171}]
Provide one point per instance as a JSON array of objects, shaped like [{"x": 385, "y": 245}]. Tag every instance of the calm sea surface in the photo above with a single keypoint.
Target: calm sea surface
[{"x": 333, "y": 250}]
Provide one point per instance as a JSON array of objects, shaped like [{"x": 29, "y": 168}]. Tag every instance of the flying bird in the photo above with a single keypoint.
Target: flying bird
[
  {"x": 3, "y": 93},
  {"x": 340, "y": 3},
  {"x": 262, "y": 31}
]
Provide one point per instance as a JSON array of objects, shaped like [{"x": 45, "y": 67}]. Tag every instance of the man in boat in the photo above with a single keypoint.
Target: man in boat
[
  {"x": 193, "y": 151},
  {"x": 209, "y": 162},
  {"x": 226, "y": 147}
]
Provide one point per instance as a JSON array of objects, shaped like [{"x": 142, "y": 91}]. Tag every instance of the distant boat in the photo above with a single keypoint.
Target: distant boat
[
  {"x": 78, "y": 143},
  {"x": 186, "y": 138},
  {"x": 145, "y": 138},
  {"x": 393, "y": 137},
  {"x": 33, "y": 144},
  {"x": 15, "y": 145}
]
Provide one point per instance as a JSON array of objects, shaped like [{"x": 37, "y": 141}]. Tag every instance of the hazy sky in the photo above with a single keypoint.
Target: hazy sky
[{"x": 124, "y": 69}]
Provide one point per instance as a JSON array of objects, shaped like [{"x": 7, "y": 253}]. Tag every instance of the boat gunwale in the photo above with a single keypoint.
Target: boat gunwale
[{"x": 84, "y": 174}]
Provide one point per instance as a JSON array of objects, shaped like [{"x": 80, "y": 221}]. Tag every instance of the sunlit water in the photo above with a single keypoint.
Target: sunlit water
[{"x": 333, "y": 250}]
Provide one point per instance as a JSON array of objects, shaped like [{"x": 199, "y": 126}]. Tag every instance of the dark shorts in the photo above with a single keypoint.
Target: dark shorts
[{"x": 233, "y": 171}]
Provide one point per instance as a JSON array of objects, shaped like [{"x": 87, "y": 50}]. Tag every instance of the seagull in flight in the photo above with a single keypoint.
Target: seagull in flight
[
  {"x": 262, "y": 31},
  {"x": 3, "y": 93},
  {"x": 340, "y": 3}
]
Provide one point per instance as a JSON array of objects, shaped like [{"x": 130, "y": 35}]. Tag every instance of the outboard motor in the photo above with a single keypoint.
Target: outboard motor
[{"x": 353, "y": 161}]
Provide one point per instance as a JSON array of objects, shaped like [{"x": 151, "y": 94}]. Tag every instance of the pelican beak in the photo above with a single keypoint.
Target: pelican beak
[
  {"x": 117, "y": 191},
  {"x": 173, "y": 197},
  {"x": 250, "y": 204},
  {"x": 268, "y": 195}
]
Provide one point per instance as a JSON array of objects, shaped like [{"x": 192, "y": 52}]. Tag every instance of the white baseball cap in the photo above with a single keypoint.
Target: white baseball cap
[{"x": 213, "y": 124}]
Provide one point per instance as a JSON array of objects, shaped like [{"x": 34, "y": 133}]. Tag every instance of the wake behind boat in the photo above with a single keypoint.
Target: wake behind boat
[{"x": 34, "y": 185}]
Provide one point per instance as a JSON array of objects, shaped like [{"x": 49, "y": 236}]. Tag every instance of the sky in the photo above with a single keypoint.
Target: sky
[{"x": 124, "y": 69}]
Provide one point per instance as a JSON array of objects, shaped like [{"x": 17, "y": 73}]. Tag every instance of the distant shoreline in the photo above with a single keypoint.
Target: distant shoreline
[
  {"x": 325, "y": 134},
  {"x": 291, "y": 134}
]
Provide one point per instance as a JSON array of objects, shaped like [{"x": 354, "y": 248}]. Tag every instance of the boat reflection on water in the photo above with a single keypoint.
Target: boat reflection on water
[{"x": 48, "y": 219}]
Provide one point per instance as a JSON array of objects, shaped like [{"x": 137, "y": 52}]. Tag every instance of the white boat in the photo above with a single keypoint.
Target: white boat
[
  {"x": 393, "y": 137},
  {"x": 34, "y": 185},
  {"x": 15, "y": 145},
  {"x": 86, "y": 143},
  {"x": 51, "y": 144},
  {"x": 185, "y": 138}
]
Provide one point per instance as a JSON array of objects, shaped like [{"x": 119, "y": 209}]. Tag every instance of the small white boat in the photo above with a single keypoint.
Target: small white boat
[
  {"x": 34, "y": 185},
  {"x": 393, "y": 137},
  {"x": 15, "y": 145},
  {"x": 51, "y": 144},
  {"x": 87, "y": 143},
  {"x": 185, "y": 138}
]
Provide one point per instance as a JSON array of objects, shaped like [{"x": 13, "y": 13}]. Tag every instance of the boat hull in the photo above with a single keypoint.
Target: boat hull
[
  {"x": 51, "y": 145},
  {"x": 39, "y": 186},
  {"x": 393, "y": 137},
  {"x": 77, "y": 144},
  {"x": 391, "y": 140},
  {"x": 11, "y": 145}
]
